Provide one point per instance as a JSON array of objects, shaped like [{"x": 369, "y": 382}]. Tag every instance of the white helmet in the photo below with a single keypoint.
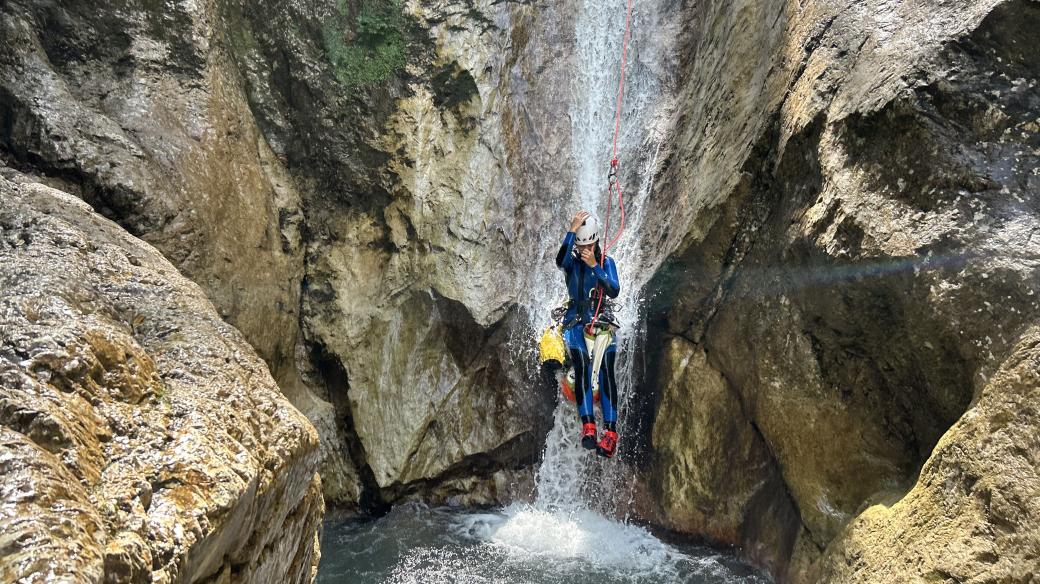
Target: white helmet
[{"x": 588, "y": 232}]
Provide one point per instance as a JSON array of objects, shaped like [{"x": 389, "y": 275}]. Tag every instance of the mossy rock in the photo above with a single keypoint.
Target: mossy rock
[{"x": 367, "y": 45}]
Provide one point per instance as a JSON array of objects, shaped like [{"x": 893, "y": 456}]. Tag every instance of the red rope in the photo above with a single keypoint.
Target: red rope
[
  {"x": 621, "y": 82},
  {"x": 613, "y": 182}
]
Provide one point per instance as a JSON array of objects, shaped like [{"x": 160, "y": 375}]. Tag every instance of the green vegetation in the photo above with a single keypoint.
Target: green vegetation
[{"x": 369, "y": 47}]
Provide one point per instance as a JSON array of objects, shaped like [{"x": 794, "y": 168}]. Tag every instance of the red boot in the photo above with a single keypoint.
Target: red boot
[
  {"x": 588, "y": 435},
  {"x": 608, "y": 444}
]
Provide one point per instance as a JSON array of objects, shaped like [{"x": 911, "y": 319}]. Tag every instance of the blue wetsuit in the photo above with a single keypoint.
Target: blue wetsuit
[{"x": 582, "y": 282}]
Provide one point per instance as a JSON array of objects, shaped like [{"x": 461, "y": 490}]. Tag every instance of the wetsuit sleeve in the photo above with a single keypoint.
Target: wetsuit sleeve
[
  {"x": 564, "y": 259},
  {"x": 607, "y": 275}
]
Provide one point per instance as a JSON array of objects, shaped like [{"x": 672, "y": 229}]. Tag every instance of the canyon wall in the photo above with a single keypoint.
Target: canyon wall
[
  {"x": 842, "y": 318},
  {"x": 834, "y": 205},
  {"x": 143, "y": 440}
]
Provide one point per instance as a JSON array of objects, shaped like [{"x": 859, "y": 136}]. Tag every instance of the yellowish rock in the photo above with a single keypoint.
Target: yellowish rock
[
  {"x": 142, "y": 439},
  {"x": 974, "y": 513}
]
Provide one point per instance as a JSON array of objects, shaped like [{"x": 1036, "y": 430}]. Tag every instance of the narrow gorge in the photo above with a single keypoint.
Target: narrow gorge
[{"x": 265, "y": 263}]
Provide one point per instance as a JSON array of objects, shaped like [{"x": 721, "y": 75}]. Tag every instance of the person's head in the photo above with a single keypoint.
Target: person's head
[
  {"x": 587, "y": 236},
  {"x": 588, "y": 233}
]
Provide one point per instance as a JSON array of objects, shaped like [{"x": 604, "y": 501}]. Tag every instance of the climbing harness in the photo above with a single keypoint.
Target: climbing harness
[{"x": 552, "y": 348}]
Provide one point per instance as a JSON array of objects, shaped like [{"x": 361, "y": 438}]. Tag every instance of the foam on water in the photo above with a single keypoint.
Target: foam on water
[
  {"x": 580, "y": 539},
  {"x": 520, "y": 544}
]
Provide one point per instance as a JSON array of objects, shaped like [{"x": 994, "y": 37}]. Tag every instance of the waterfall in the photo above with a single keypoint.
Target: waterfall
[
  {"x": 577, "y": 527},
  {"x": 570, "y": 477}
]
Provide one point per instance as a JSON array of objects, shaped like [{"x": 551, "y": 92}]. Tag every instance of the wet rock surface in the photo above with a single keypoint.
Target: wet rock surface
[
  {"x": 245, "y": 142},
  {"x": 842, "y": 247},
  {"x": 143, "y": 440},
  {"x": 139, "y": 110},
  {"x": 870, "y": 270},
  {"x": 409, "y": 189},
  {"x": 973, "y": 514}
]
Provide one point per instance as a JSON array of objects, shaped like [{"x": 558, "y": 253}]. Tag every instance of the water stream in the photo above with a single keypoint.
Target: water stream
[{"x": 577, "y": 528}]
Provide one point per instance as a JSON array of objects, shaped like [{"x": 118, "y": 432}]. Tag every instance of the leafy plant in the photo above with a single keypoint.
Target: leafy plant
[{"x": 372, "y": 47}]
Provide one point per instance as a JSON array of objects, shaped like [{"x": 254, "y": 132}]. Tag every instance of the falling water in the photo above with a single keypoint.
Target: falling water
[
  {"x": 577, "y": 528},
  {"x": 579, "y": 519},
  {"x": 582, "y": 501},
  {"x": 568, "y": 476}
]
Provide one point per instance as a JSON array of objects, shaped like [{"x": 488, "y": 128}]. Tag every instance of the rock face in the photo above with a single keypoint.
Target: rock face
[
  {"x": 245, "y": 142},
  {"x": 410, "y": 187},
  {"x": 714, "y": 476},
  {"x": 141, "y": 438},
  {"x": 860, "y": 268},
  {"x": 974, "y": 514},
  {"x": 139, "y": 110}
]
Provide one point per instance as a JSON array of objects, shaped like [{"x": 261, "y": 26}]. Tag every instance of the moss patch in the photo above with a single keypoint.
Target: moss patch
[{"x": 366, "y": 45}]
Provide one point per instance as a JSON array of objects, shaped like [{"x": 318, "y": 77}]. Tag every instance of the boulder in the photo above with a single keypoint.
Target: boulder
[{"x": 143, "y": 439}]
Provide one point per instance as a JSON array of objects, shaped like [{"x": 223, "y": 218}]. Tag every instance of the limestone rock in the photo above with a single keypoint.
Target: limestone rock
[
  {"x": 139, "y": 110},
  {"x": 713, "y": 473},
  {"x": 436, "y": 395},
  {"x": 142, "y": 437},
  {"x": 409, "y": 187},
  {"x": 865, "y": 265},
  {"x": 974, "y": 514},
  {"x": 187, "y": 125},
  {"x": 45, "y": 505}
]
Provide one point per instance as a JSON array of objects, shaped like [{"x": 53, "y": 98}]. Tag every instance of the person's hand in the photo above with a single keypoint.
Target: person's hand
[
  {"x": 589, "y": 257},
  {"x": 578, "y": 219}
]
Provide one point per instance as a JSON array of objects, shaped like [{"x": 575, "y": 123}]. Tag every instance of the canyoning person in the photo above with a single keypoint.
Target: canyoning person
[{"x": 589, "y": 277}]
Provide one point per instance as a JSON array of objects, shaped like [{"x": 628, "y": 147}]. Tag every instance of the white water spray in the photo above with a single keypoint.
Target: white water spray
[
  {"x": 582, "y": 500},
  {"x": 570, "y": 477}
]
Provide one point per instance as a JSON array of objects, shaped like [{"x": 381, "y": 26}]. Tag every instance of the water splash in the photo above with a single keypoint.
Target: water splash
[
  {"x": 577, "y": 540},
  {"x": 569, "y": 477},
  {"x": 579, "y": 519},
  {"x": 516, "y": 545}
]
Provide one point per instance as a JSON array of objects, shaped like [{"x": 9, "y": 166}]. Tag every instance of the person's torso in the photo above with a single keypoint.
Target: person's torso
[{"x": 581, "y": 290}]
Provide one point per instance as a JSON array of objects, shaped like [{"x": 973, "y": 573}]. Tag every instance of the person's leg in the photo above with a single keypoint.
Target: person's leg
[
  {"x": 582, "y": 384},
  {"x": 608, "y": 388},
  {"x": 608, "y": 402},
  {"x": 582, "y": 387}
]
